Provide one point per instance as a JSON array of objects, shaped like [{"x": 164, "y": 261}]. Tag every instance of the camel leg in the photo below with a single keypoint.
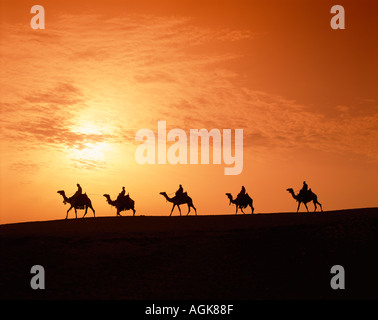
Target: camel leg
[
  {"x": 68, "y": 211},
  {"x": 188, "y": 209},
  {"x": 299, "y": 203},
  {"x": 179, "y": 209},
  {"x": 195, "y": 210},
  {"x": 306, "y": 206},
  {"x": 319, "y": 205},
  {"x": 134, "y": 212},
  {"x": 242, "y": 210},
  {"x": 236, "y": 212},
  {"x": 75, "y": 213},
  {"x": 86, "y": 209},
  {"x": 253, "y": 209},
  {"x": 174, "y": 205}
]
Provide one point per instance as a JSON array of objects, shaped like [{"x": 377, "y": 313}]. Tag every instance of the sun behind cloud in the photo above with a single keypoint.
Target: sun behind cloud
[{"x": 90, "y": 151}]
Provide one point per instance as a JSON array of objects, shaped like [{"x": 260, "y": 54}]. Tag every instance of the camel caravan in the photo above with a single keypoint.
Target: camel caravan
[{"x": 123, "y": 202}]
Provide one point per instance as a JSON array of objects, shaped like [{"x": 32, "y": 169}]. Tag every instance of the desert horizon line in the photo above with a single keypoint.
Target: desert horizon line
[{"x": 207, "y": 215}]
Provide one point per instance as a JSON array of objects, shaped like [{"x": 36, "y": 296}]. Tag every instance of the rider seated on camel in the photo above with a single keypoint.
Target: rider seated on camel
[
  {"x": 304, "y": 189},
  {"x": 180, "y": 191},
  {"x": 241, "y": 193},
  {"x": 121, "y": 194},
  {"x": 79, "y": 192}
]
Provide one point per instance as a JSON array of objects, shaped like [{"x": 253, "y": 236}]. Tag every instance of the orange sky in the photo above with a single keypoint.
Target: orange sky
[{"x": 74, "y": 95}]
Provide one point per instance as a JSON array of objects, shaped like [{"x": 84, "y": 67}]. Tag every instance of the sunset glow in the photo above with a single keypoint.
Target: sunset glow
[{"x": 74, "y": 95}]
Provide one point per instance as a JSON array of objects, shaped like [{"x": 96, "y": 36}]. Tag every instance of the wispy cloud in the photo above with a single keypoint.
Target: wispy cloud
[
  {"x": 88, "y": 164},
  {"x": 25, "y": 166},
  {"x": 138, "y": 69},
  {"x": 62, "y": 95}
]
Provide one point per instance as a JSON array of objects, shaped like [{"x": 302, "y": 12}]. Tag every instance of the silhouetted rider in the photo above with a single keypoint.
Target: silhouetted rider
[
  {"x": 180, "y": 191},
  {"x": 79, "y": 191},
  {"x": 241, "y": 193},
  {"x": 121, "y": 194},
  {"x": 304, "y": 188}
]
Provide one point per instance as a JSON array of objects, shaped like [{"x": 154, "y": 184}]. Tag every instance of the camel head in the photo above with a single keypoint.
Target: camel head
[
  {"x": 291, "y": 191},
  {"x": 229, "y": 197},
  {"x": 108, "y": 199},
  {"x": 63, "y": 194},
  {"x": 164, "y": 194}
]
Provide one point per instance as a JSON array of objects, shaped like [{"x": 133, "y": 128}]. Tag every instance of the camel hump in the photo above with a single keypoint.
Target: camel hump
[
  {"x": 81, "y": 198},
  {"x": 182, "y": 197}
]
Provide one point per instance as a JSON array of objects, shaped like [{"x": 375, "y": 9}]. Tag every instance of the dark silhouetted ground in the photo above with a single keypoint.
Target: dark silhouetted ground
[{"x": 265, "y": 256}]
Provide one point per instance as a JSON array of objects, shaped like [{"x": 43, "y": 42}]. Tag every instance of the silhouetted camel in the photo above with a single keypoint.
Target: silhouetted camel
[
  {"x": 122, "y": 204},
  {"x": 79, "y": 202},
  {"x": 244, "y": 202},
  {"x": 180, "y": 200},
  {"x": 305, "y": 197}
]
